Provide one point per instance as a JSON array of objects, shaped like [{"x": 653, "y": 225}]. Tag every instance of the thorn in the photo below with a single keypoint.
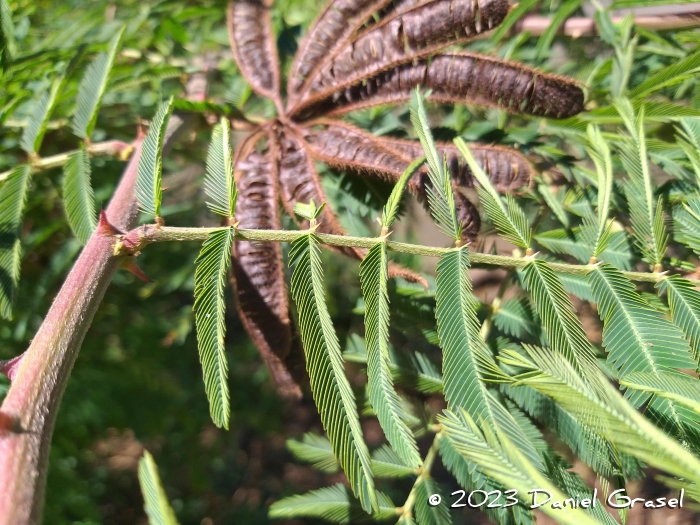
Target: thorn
[
  {"x": 105, "y": 228},
  {"x": 141, "y": 133},
  {"x": 129, "y": 264},
  {"x": 11, "y": 366}
]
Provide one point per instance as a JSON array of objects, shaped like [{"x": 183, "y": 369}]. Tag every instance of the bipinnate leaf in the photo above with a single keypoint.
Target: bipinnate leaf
[
  {"x": 156, "y": 502},
  {"x": 334, "y": 504},
  {"x": 499, "y": 458},
  {"x": 646, "y": 212},
  {"x": 508, "y": 217},
  {"x": 210, "y": 309},
  {"x": 13, "y": 196},
  {"x": 316, "y": 450},
  {"x": 440, "y": 196},
  {"x": 559, "y": 321},
  {"x": 44, "y": 104},
  {"x": 78, "y": 197},
  {"x": 684, "y": 303},
  {"x": 92, "y": 88},
  {"x": 219, "y": 183},
  {"x": 331, "y": 390},
  {"x": 602, "y": 409},
  {"x": 638, "y": 338},
  {"x": 374, "y": 275},
  {"x": 392, "y": 205},
  {"x": 150, "y": 170}
]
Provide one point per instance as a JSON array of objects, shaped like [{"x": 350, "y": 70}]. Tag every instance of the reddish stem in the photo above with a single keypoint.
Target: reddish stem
[{"x": 36, "y": 392}]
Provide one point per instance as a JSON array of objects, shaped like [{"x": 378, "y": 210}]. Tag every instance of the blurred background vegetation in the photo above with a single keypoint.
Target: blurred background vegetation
[{"x": 137, "y": 382}]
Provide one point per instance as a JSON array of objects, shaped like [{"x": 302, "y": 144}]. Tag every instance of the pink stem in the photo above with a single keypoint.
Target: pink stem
[{"x": 36, "y": 392}]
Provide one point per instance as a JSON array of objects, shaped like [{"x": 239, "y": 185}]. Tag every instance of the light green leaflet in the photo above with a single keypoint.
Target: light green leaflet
[
  {"x": 155, "y": 499},
  {"x": 78, "y": 198},
  {"x": 92, "y": 88},
  {"x": 440, "y": 195},
  {"x": 13, "y": 196},
  {"x": 509, "y": 218},
  {"x": 219, "y": 183},
  {"x": 210, "y": 310},
  {"x": 150, "y": 170},
  {"x": 36, "y": 127},
  {"x": 334, "y": 504},
  {"x": 331, "y": 390}
]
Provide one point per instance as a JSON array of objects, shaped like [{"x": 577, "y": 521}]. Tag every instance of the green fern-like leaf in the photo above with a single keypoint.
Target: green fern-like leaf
[
  {"x": 646, "y": 212},
  {"x": 599, "y": 151},
  {"x": 470, "y": 478},
  {"x": 34, "y": 132},
  {"x": 92, "y": 88},
  {"x": 577, "y": 242},
  {"x": 374, "y": 276},
  {"x": 637, "y": 337},
  {"x": 150, "y": 170},
  {"x": 219, "y": 182},
  {"x": 316, "y": 450},
  {"x": 508, "y": 217},
  {"x": 679, "y": 388},
  {"x": 387, "y": 464},
  {"x": 687, "y": 220},
  {"x": 210, "y": 309},
  {"x": 156, "y": 502},
  {"x": 602, "y": 409},
  {"x": 13, "y": 196},
  {"x": 561, "y": 326},
  {"x": 458, "y": 329},
  {"x": 515, "y": 318},
  {"x": 425, "y": 513},
  {"x": 501, "y": 460},
  {"x": 668, "y": 76},
  {"x": 440, "y": 195},
  {"x": 330, "y": 387},
  {"x": 392, "y": 205},
  {"x": 684, "y": 303},
  {"x": 335, "y": 504},
  {"x": 78, "y": 198}
]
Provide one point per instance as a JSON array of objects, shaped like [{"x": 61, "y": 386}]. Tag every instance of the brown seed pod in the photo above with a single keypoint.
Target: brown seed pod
[{"x": 257, "y": 267}]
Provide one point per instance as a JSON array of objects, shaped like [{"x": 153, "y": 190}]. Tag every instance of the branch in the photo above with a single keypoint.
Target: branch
[
  {"x": 35, "y": 394},
  {"x": 109, "y": 148},
  {"x": 136, "y": 240},
  {"x": 582, "y": 26}
]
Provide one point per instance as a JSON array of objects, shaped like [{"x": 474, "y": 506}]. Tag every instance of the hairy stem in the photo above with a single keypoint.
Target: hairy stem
[
  {"x": 139, "y": 238},
  {"x": 109, "y": 148},
  {"x": 36, "y": 391}
]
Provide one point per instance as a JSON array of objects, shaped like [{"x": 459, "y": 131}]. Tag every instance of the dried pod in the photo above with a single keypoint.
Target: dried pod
[
  {"x": 257, "y": 267},
  {"x": 459, "y": 78},
  {"x": 254, "y": 46},
  {"x": 404, "y": 36}
]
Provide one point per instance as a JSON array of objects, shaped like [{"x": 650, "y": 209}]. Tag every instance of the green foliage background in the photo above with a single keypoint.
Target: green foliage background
[{"x": 138, "y": 377}]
